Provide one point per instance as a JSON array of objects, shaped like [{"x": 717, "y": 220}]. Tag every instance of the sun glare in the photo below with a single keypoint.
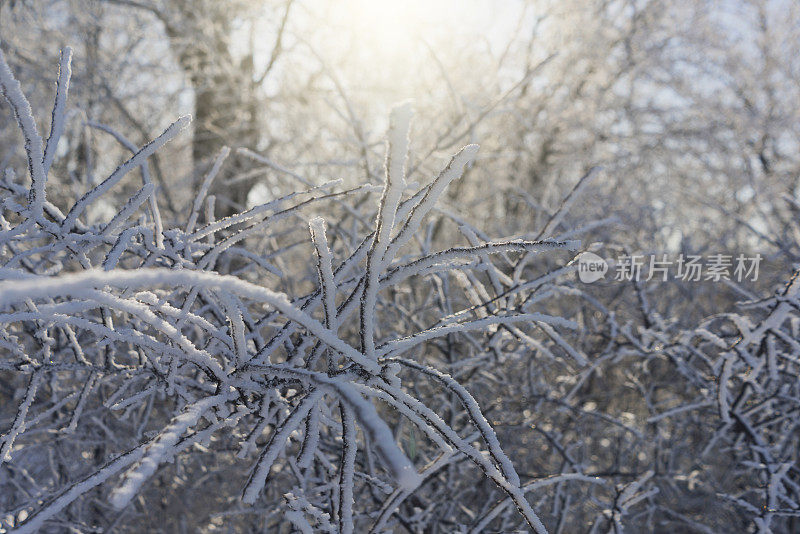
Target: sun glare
[
  {"x": 385, "y": 46},
  {"x": 389, "y": 28}
]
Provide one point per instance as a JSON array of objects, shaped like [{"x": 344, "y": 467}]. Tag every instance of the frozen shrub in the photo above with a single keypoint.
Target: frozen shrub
[{"x": 126, "y": 341}]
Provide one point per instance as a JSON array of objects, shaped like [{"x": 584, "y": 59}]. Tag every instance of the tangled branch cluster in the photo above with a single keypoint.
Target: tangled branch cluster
[
  {"x": 124, "y": 323},
  {"x": 325, "y": 373}
]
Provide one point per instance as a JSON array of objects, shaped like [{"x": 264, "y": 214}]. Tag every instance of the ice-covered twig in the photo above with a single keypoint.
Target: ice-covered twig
[
  {"x": 59, "y": 108},
  {"x": 161, "y": 449},
  {"x": 12, "y": 91},
  {"x": 396, "y": 154},
  {"x": 146, "y": 151}
]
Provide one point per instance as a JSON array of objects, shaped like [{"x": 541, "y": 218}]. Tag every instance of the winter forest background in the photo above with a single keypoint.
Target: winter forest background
[{"x": 343, "y": 295}]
